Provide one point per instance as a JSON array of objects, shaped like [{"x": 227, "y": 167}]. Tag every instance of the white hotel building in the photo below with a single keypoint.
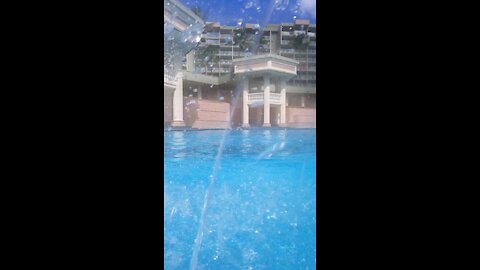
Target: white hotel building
[{"x": 277, "y": 85}]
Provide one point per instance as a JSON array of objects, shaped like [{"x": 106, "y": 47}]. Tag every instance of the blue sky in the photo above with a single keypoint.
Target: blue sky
[{"x": 230, "y": 12}]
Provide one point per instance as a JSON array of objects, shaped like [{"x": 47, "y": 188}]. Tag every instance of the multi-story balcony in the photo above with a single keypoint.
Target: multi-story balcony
[
  {"x": 212, "y": 36},
  {"x": 225, "y": 63},
  {"x": 216, "y": 70},
  {"x": 287, "y": 51},
  {"x": 229, "y": 45},
  {"x": 212, "y": 42},
  {"x": 230, "y": 53}
]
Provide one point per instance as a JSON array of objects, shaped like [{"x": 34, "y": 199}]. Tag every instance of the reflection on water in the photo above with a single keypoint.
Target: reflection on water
[
  {"x": 179, "y": 145},
  {"x": 246, "y": 143}
]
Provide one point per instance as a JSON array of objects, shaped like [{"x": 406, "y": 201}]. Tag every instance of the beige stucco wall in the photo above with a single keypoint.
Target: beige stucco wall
[
  {"x": 301, "y": 117},
  {"x": 206, "y": 114},
  {"x": 167, "y": 107}
]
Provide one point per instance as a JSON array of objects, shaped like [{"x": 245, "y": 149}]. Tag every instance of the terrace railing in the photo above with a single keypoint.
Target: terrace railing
[
  {"x": 275, "y": 98},
  {"x": 255, "y": 97},
  {"x": 169, "y": 78}
]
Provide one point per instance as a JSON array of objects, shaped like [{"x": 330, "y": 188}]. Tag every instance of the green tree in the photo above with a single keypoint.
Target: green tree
[
  {"x": 249, "y": 41},
  {"x": 299, "y": 42},
  {"x": 207, "y": 55},
  {"x": 241, "y": 38},
  {"x": 262, "y": 43}
]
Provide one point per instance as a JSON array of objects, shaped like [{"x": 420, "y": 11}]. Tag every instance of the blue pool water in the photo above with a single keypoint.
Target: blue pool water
[{"x": 262, "y": 212}]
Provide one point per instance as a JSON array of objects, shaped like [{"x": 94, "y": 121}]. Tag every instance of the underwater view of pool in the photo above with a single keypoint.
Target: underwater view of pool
[{"x": 250, "y": 206}]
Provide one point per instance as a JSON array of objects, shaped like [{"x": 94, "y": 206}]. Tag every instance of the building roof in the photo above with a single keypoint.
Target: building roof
[{"x": 265, "y": 56}]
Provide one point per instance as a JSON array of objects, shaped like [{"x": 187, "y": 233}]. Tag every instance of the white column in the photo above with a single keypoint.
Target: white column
[
  {"x": 266, "y": 101},
  {"x": 245, "y": 123},
  {"x": 191, "y": 61},
  {"x": 178, "y": 103},
  {"x": 303, "y": 101},
  {"x": 199, "y": 93},
  {"x": 283, "y": 106}
]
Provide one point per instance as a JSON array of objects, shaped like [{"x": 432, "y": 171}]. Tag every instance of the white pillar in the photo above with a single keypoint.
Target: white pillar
[
  {"x": 199, "y": 93},
  {"x": 303, "y": 101},
  {"x": 178, "y": 103},
  {"x": 191, "y": 61},
  {"x": 266, "y": 101},
  {"x": 283, "y": 106},
  {"x": 245, "y": 118}
]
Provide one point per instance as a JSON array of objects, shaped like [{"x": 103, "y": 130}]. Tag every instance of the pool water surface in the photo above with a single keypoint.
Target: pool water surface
[{"x": 262, "y": 212}]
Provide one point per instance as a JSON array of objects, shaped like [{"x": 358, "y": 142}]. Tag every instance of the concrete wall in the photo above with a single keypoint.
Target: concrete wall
[
  {"x": 301, "y": 117},
  {"x": 206, "y": 114},
  {"x": 167, "y": 107}
]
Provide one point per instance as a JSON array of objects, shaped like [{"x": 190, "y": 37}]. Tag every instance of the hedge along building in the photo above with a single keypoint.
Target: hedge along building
[{"x": 274, "y": 81}]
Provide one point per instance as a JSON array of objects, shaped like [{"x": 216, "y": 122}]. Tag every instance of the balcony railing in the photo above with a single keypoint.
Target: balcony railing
[
  {"x": 169, "y": 80},
  {"x": 255, "y": 97},
  {"x": 224, "y": 53},
  {"x": 211, "y": 35},
  {"x": 287, "y": 51},
  {"x": 275, "y": 98},
  {"x": 212, "y": 42}
]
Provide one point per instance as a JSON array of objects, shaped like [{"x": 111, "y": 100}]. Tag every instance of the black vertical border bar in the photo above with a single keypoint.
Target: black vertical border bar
[{"x": 161, "y": 147}]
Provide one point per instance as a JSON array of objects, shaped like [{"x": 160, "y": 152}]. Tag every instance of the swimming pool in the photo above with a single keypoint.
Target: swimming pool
[{"x": 262, "y": 208}]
